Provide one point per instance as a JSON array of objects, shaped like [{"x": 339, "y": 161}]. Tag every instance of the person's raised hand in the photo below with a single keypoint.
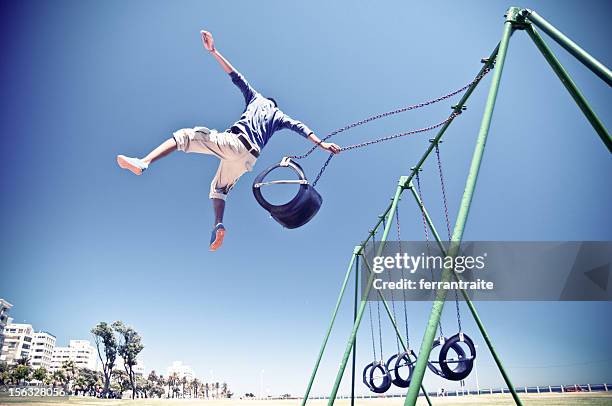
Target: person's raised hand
[
  {"x": 207, "y": 40},
  {"x": 331, "y": 147}
]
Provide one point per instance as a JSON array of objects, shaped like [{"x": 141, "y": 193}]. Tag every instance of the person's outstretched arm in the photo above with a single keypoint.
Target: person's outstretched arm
[
  {"x": 304, "y": 131},
  {"x": 327, "y": 146},
  {"x": 209, "y": 44},
  {"x": 239, "y": 80}
]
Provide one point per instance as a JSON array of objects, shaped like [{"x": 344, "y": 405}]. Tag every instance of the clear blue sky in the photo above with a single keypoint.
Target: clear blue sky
[{"x": 83, "y": 241}]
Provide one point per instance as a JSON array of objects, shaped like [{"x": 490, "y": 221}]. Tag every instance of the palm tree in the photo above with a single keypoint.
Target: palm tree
[
  {"x": 169, "y": 382},
  {"x": 58, "y": 377},
  {"x": 24, "y": 360},
  {"x": 4, "y": 372},
  {"x": 183, "y": 383},
  {"x": 195, "y": 384},
  {"x": 158, "y": 388},
  {"x": 20, "y": 373},
  {"x": 89, "y": 379},
  {"x": 152, "y": 381},
  {"x": 160, "y": 385},
  {"x": 40, "y": 374},
  {"x": 174, "y": 380},
  {"x": 71, "y": 371},
  {"x": 49, "y": 380},
  {"x": 152, "y": 376},
  {"x": 79, "y": 385},
  {"x": 143, "y": 386}
]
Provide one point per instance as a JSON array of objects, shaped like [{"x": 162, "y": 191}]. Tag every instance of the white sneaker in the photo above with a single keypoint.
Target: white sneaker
[{"x": 135, "y": 165}]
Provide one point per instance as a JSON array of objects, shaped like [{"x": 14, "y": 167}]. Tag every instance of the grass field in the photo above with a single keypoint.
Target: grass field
[{"x": 567, "y": 399}]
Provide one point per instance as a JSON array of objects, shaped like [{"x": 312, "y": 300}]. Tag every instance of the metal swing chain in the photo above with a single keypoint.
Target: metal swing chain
[
  {"x": 393, "y": 112},
  {"x": 425, "y": 228},
  {"x": 378, "y": 310},
  {"x": 458, "y": 311},
  {"x": 448, "y": 230},
  {"x": 390, "y": 137},
  {"x": 403, "y": 134},
  {"x": 394, "y": 318},
  {"x": 418, "y": 179},
  {"x": 387, "y": 114},
  {"x": 329, "y": 158},
  {"x": 379, "y": 329},
  {"x": 399, "y": 239},
  {"x": 397, "y": 342},
  {"x": 372, "y": 319},
  {"x": 370, "y": 311},
  {"x": 372, "y": 330}
]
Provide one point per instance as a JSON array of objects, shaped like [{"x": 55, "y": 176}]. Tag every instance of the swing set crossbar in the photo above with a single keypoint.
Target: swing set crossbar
[{"x": 515, "y": 19}]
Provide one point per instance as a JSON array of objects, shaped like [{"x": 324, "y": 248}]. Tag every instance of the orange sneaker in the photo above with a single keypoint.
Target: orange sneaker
[{"x": 216, "y": 238}]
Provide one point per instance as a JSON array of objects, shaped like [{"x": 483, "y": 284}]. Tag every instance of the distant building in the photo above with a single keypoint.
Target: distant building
[
  {"x": 181, "y": 370},
  {"x": 17, "y": 341},
  {"x": 4, "y": 308},
  {"x": 81, "y": 352},
  {"x": 139, "y": 369},
  {"x": 41, "y": 353}
]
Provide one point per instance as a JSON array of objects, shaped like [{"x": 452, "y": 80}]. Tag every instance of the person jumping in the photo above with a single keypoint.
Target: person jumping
[{"x": 237, "y": 148}]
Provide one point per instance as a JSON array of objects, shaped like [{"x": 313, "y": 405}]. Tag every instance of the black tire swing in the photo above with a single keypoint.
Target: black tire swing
[
  {"x": 399, "y": 361},
  {"x": 299, "y": 210},
  {"x": 376, "y": 374},
  {"x": 463, "y": 364},
  {"x": 370, "y": 380},
  {"x": 403, "y": 359}
]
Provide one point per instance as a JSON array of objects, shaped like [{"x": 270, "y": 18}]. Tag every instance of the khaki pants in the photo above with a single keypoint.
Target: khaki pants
[{"x": 234, "y": 156}]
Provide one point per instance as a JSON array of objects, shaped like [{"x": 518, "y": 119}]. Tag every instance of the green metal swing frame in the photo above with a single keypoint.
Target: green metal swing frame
[{"x": 516, "y": 18}]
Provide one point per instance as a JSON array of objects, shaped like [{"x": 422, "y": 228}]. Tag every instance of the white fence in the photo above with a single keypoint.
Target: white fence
[{"x": 600, "y": 387}]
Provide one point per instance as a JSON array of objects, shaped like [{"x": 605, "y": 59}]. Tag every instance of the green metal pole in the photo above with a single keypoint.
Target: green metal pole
[
  {"x": 353, "y": 335},
  {"x": 469, "y": 302},
  {"x": 356, "y": 250},
  {"x": 593, "y": 64},
  {"x": 433, "y": 229},
  {"x": 468, "y": 192},
  {"x": 378, "y": 223},
  {"x": 571, "y": 87},
  {"x": 394, "y": 323},
  {"x": 436, "y": 311},
  {"x": 331, "y": 324},
  {"x": 355, "y": 300}
]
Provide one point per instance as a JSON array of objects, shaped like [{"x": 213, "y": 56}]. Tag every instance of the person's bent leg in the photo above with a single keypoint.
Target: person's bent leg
[
  {"x": 227, "y": 175},
  {"x": 161, "y": 151},
  {"x": 137, "y": 166},
  {"x": 196, "y": 139},
  {"x": 219, "y": 209},
  {"x": 217, "y": 197}
]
